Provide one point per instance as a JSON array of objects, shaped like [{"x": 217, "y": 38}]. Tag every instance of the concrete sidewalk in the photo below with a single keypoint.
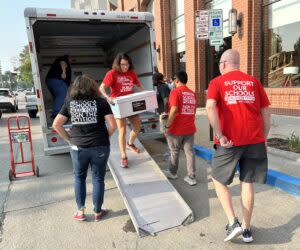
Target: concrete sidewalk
[
  {"x": 38, "y": 215},
  {"x": 38, "y": 211}
]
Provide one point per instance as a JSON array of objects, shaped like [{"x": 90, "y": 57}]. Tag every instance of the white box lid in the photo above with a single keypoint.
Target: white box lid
[{"x": 134, "y": 96}]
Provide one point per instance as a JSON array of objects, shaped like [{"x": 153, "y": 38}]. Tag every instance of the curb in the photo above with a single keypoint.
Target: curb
[
  {"x": 285, "y": 154},
  {"x": 286, "y": 183}
]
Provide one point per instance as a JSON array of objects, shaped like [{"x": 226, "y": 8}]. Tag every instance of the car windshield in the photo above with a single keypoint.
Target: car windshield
[
  {"x": 3, "y": 92},
  {"x": 30, "y": 93}
]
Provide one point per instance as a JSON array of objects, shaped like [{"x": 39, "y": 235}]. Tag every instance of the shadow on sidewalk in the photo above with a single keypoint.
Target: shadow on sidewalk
[{"x": 276, "y": 235}]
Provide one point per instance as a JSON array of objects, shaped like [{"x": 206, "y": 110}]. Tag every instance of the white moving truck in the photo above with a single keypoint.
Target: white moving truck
[{"x": 91, "y": 39}]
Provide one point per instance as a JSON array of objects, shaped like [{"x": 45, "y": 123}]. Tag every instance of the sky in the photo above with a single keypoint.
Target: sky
[{"x": 13, "y": 36}]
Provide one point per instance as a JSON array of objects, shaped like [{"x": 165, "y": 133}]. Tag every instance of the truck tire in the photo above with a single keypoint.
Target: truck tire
[
  {"x": 0, "y": 114},
  {"x": 13, "y": 109},
  {"x": 32, "y": 113}
]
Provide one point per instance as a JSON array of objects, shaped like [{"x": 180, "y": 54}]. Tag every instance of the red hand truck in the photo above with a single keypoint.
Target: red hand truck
[{"x": 20, "y": 143}]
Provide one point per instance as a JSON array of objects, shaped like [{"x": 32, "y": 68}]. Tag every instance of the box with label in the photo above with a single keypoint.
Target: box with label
[{"x": 133, "y": 104}]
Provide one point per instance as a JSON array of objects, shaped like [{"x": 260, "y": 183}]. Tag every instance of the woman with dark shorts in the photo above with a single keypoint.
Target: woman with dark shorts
[{"x": 89, "y": 139}]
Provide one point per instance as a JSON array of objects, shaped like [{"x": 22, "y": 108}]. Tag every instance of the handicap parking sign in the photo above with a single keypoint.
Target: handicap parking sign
[{"x": 216, "y": 22}]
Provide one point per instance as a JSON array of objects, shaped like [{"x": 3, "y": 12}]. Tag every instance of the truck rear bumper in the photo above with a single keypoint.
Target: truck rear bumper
[
  {"x": 31, "y": 107},
  {"x": 57, "y": 150},
  {"x": 150, "y": 136}
]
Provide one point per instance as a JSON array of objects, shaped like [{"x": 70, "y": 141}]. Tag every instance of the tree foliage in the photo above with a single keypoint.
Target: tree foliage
[{"x": 25, "y": 71}]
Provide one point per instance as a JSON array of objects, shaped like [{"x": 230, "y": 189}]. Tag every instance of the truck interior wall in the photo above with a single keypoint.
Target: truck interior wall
[
  {"x": 93, "y": 59},
  {"x": 138, "y": 47}
]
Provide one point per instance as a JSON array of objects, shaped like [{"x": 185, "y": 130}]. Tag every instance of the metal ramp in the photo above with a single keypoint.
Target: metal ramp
[{"x": 153, "y": 203}]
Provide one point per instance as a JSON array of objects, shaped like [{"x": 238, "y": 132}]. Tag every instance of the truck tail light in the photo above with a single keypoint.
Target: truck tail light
[
  {"x": 38, "y": 93},
  {"x": 51, "y": 14},
  {"x": 54, "y": 139},
  {"x": 30, "y": 47}
]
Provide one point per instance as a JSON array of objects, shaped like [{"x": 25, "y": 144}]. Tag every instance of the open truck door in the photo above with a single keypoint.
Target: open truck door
[{"x": 91, "y": 39}]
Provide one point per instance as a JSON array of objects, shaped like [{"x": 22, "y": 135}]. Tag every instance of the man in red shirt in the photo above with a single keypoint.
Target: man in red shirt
[
  {"x": 180, "y": 127},
  {"x": 237, "y": 108}
]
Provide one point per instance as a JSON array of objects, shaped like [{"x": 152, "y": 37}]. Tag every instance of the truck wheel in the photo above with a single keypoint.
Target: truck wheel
[
  {"x": 37, "y": 171},
  {"x": 0, "y": 114},
  {"x": 32, "y": 113},
  {"x": 10, "y": 175},
  {"x": 17, "y": 107},
  {"x": 13, "y": 109}
]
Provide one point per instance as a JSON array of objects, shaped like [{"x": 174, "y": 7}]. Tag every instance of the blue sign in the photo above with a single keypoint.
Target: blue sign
[{"x": 216, "y": 22}]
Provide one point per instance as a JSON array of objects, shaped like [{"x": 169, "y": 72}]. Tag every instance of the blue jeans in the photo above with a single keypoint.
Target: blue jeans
[
  {"x": 97, "y": 158},
  {"x": 58, "y": 89}
]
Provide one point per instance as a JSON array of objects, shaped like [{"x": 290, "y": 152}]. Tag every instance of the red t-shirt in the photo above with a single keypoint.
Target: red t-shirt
[
  {"x": 121, "y": 83},
  {"x": 185, "y": 100},
  {"x": 239, "y": 98}
]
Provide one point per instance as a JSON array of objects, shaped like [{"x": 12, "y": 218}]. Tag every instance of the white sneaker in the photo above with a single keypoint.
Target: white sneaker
[
  {"x": 191, "y": 181},
  {"x": 169, "y": 175}
]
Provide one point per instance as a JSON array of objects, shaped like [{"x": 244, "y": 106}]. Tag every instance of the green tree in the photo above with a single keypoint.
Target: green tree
[
  {"x": 9, "y": 80},
  {"x": 25, "y": 72}
]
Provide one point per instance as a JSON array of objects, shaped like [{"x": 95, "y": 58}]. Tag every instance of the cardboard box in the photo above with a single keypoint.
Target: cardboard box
[{"x": 133, "y": 104}]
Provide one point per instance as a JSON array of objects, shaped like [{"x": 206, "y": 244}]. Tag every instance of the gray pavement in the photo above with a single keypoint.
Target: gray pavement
[{"x": 38, "y": 211}]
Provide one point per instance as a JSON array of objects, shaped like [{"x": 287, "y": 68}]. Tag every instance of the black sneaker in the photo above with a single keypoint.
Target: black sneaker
[
  {"x": 247, "y": 235},
  {"x": 233, "y": 230}
]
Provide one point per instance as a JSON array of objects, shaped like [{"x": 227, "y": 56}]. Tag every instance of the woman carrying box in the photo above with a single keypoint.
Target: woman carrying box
[{"x": 121, "y": 80}]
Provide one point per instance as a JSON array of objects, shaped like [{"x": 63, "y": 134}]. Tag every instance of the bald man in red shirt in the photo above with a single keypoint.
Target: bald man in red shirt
[{"x": 237, "y": 107}]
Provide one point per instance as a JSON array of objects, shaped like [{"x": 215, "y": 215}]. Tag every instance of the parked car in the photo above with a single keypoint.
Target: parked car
[
  {"x": 31, "y": 104},
  {"x": 8, "y": 100}
]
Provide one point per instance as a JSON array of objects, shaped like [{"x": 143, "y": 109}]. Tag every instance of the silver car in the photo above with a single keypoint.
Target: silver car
[{"x": 8, "y": 100}]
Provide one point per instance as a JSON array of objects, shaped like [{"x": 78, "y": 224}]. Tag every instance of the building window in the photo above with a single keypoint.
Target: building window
[
  {"x": 178, "y": 34},
  {"x": 150, "y": 7},
  {"x": 284, "y": 43}
]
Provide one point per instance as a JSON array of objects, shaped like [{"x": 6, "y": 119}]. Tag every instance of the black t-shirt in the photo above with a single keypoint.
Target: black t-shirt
[
  {"x": 163, "y": 91},
  {"x": 56, "y": 71},
  {"x": 88, "y": 122}
]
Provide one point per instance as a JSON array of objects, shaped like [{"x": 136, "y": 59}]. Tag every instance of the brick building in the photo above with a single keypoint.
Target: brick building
[{"x": 267, "y": 38}]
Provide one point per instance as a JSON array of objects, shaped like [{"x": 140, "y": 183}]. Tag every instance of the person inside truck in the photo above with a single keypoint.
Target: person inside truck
[
  {"x": 89, "y": 139},
  {"x": 58, "y": 81},
  {"x": 121, "y": 81}
]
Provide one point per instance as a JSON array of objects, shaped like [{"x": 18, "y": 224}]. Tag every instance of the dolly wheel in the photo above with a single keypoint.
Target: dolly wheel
[
  {"x": 10, "y": 175},
  {"x": 37, "y": 172}
]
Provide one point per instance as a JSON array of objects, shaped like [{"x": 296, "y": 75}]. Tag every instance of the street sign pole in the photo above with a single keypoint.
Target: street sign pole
[{"x": 209, "y": 25}]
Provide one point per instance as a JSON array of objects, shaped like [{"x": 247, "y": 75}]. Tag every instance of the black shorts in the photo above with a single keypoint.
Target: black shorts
[{"x": 252, "y": 160}]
